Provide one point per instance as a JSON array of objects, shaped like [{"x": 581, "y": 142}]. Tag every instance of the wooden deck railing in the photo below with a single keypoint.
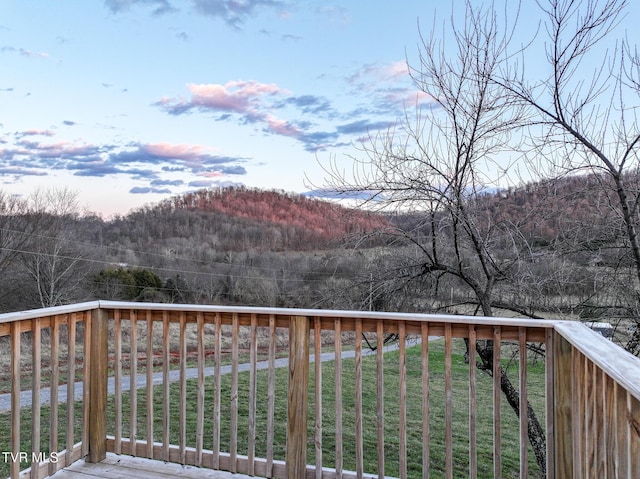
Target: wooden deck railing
[{"x": 293, "y": 393}]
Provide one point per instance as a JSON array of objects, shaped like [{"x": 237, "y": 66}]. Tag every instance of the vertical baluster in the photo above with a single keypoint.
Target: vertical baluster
[
  {"x": 133, "y": 387},
  {"x": 601, "y": 443},
  {"x": 16, "y": 386},
  {"x": 182, "y": 442},
  {"x": 271, "y": 395},
  {"x": 86, "y": 382},
  {"x": 166, "y": 389},
  {"x": 622, "y": 433},
  {"x": 97, "y": 369},
  {"x": 200, "y": 405},
  {"x": 497, "y": 375},
  {"x": 117, "y": 377},
  {"x": 426, "y": 432},
  {"x": 71, "y": 382},
  {"x": 36, "y": 375},
  {"x": 550, "y": 402},
  {"x": 55, "y": 384},
  {"x": 297, "y": 397},
  {"x": 253, "y": 391},
  {"x": 358, "y": 400},
  {"x": 402, "y": 359},
  {"x": 448, "y": 403},
  {"x": 524, "y": 437},
  {"x": 380, "y": 395},
  {"x": 612, "y": 454},
  {"x": 578, "y": 406},
  {"x": 149, "y": 389},
  {"x": 235, "y": 346},
  {"x": 338, "y": 405},
  {"x": 216, "y": 391},
  {"x": 633, "y": 427},
  {"x": 473, "y": 436},
  {"x": 317, "y": 347}
]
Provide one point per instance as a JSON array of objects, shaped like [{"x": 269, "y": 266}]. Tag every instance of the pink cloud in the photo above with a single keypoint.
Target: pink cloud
[
  {"x": 282, "y": 127},
  {"x": 168, "y": 150},
  {"x": 234, "y": 96},
  {"x": 34, "y": 132},
  {"x": 395, "y": 70}
]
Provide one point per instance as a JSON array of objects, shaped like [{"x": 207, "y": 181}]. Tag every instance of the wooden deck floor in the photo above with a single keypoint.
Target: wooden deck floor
[{"x": 127, "y": 467}]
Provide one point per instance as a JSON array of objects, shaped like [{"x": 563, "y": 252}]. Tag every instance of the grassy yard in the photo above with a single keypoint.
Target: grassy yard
[{"x": 510, "y": 433}]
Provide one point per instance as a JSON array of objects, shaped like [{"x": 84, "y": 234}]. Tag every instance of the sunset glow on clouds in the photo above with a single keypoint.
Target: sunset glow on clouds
[{"x": 150, "y": 98}]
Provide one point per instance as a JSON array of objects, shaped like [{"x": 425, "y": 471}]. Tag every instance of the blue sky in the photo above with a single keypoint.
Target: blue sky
[
  {"x": 128, "y": 102},
  {"x": 131, "y": 101}
]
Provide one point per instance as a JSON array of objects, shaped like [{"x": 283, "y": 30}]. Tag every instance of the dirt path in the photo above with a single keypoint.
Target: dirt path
[{"x": 174, "y": 376}]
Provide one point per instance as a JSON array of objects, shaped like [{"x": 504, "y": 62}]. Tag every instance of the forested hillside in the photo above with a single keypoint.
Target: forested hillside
[
  {"x": 242, "y": 219},
  {"x": 557, "y": 240}
]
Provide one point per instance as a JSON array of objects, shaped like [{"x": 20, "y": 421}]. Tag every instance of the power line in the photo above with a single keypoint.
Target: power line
[{"x": 162, "y": 256}]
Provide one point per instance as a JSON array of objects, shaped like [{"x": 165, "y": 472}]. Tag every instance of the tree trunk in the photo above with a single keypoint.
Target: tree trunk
[{"x": 535, "y": 432}]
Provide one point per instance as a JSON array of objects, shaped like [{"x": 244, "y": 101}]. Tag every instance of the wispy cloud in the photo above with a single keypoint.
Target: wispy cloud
[
  {"x": 155, "y": 164},
  {"x": 34, "y": 132},
  {"x": 145, "y": 190},
  {"x": 24, "y": 52},
  {"x": 264, "y": 104},
  {"x": 159, "y": 6},
  {"x": 233, "y": 12}
]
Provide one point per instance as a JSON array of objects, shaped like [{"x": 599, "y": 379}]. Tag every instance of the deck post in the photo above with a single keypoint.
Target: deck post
[
  {"x": 562, "y": 414},
  {"x": 98, "y": 366},
  {"x": 298, "y": 397}
]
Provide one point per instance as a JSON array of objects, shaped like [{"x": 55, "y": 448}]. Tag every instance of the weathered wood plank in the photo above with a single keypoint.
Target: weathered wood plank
[
  {"x": 402, "y": 365},
  {"x": 36, "y": 377},
  {"x": 99, "y": 370},
  {"x": 448, "y": 404},
  {"x": 271, "y": 396},
  {"x": 166, "y": 391},
  {"x": 358, "y": 400},
  {"x": 55, "y": 383},
  {"x": 200, "y": 399},
  {"x": 217, "y": 348},
  {"x": 633, "y": 420},
  {"x": 133, "y": 372},
  {"x": 497, "y": 394},
  {"x": 86, "y": 380},
  {"x": 297, "y": 397},
  {"x": 380, "y": 416},
  {"x": 550, "y": 401},
  {"x": 182, "y": 441},
  {"x": 473, "y": 409},
  {"x": 149, "y": 385},
  {"x": 71, "y": 373},
  {"x": 562, "y": 409},
  {"x": 523, "y": 405},
  {"x": 16, "y": 387},
  {"x": 617, "y": 363},
  {"x": 253, "y": 391},
  {"x": 337, "y": 328},
  {"x": 117, "y": 367},
  {"x": 317, "y": 351},
  {"x": 426, "y": 431},
  {"x": 233, "y": 420}
]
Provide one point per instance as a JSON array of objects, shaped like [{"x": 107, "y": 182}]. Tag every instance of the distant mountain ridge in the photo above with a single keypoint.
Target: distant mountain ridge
[
  {"x": 326, "y": 219},
  {"x": 253, "y": 218}
]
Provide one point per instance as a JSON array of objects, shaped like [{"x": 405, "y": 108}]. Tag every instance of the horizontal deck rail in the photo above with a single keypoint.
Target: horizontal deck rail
[{"x": 422, "y": 410}]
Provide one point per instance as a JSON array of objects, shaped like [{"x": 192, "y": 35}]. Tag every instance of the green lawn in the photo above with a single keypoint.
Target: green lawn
[{"x": 510, "y": 434}]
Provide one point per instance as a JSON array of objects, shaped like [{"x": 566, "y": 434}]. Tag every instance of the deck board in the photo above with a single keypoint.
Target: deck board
[{"x": 124, "y": 467}]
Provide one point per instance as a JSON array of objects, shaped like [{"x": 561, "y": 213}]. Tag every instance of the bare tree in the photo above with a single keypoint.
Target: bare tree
[
  {"x": 584, "y": 114},
  {"x": 53, "y": 262},
  {"x": 437, "y": 166}
]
